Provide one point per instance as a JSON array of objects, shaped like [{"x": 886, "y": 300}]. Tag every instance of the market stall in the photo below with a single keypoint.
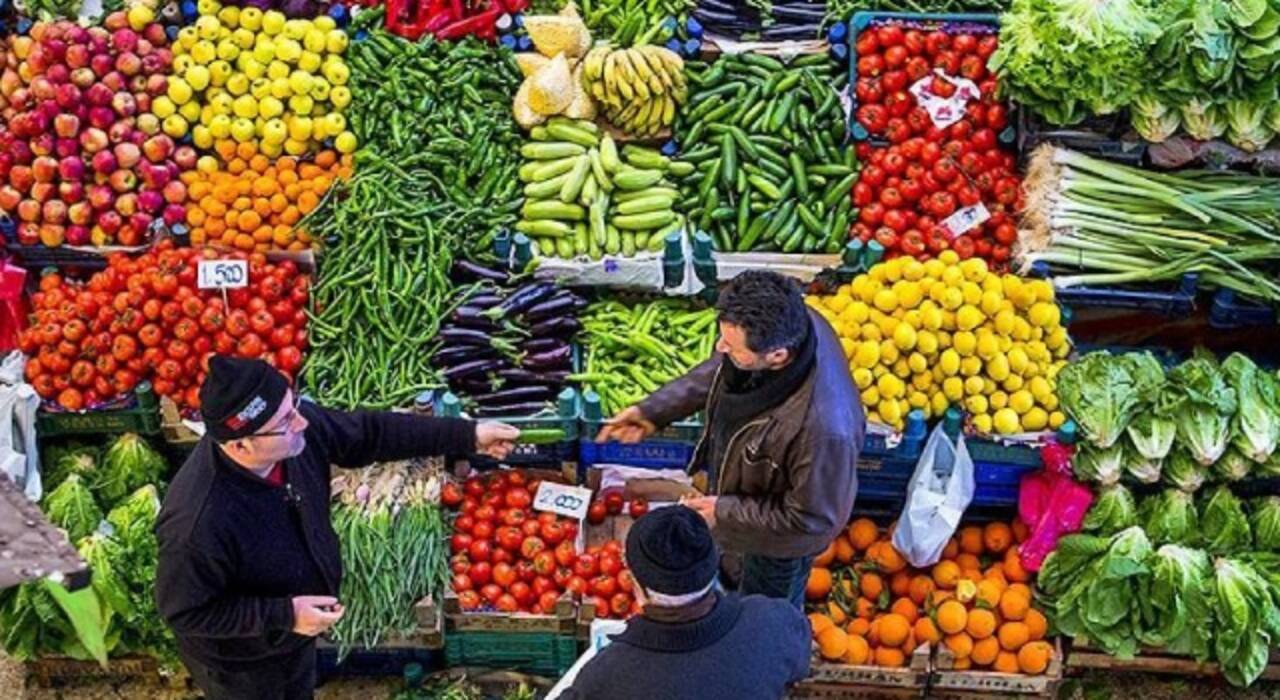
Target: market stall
[{"x": 1044, "y": 233}]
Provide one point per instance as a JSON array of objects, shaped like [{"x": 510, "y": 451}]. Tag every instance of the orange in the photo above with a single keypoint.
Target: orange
[
  {"x": 1013, "y": 635},
  {"x": 981, "y": 624},
  {"x": 952, "y": 617},
  {"x": 819, "y": 623},
  {"x": 872, "y": 586},
  {"x": 1020, "y": 531},
  {"x": 1034, "y": 657},
  {"x": 997, "y": 537},
  {"x": 894, "y": 630},
  {"x": 1006, "y": 662},
  {"x": 946, "y": 574},
  {"x": 939, "y": 597},
  {"x": 995, "y": 572},
  {"x": 900, "y": 584},
  {"x": 862, "y": 533},
  {"x": 845, "y": 551},
  {"x": 1022, "y": 589},
  {"x": 905, "y": 608},
  {"x": 968, "y": 562},
  {"x": 859, "y": 626},
  {"x": 828, "y": 555},
  {"x": 890, "y": 657},
  {"x": 226, "y": 150},
  {"x": 1013, "y": 567},
  {"x": 326, "y": 158},
  {"x": 920, "y": 588},
  {"x": 960, "y": 644},
  {"x": 962, "y": 664},
  {"x": 970, "y": 540},
  {"x": 865, "y": 609},
  {"x": 989, "y": 593},
  {"x": 859, "y": 652},
  {"x": 1037, "y": 625},
  {"x": 307, "y": 201},
  {"x": 836, "y": 613},
  {"x": 873, "y": 632},
  {"x": 247, "y": 150},
  {"x": 952, "y": 549},
  {"x": 985, "y": 651},
  {"x": 819, "y": 584},
  {"x": 1014, "y": 605},
  {"x": 833, "y": 643},
  {"x": 886, "y": 558},
  {"x": 926, "y": 631}
]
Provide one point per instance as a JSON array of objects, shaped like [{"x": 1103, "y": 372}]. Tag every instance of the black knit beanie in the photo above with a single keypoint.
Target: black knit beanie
[
  {"x": 670, "y": 551},
  {"x": 238, "y": 396}
]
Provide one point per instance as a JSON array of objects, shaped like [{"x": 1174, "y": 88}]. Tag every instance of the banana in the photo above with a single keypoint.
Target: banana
[
  {"x": 639, "y": 64},
  {"x": 659, "y": 66},
  {"x": 593, "y": 66},
  {"x": 627, "y": 74},
  {"x": 668, "y": 110},
  {"x": 622, "y": 77}
]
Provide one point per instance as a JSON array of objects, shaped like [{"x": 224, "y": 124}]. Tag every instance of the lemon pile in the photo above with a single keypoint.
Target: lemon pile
[
  {"x": 245, "y": 74},
  {"x": 929, "y": 335}
]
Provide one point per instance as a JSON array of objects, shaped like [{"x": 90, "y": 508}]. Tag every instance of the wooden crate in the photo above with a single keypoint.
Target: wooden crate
[
  {"x": 946, "y": 682},
  {"x": 52, "y": 672},
  {"x": 811, "y": 689},
  {"x": 829, "y": 679},
  {"x": 171, "y": 426},
  {"x": 429, "y": 634},
  {"x": 563, "y": 621},
  {"x": 1083, "y": 655}
]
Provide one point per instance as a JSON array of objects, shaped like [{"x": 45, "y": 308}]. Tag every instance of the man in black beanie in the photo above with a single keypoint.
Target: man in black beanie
[
  {"x": 249, "y": 568},
  {"x": 692, "y": 641}
]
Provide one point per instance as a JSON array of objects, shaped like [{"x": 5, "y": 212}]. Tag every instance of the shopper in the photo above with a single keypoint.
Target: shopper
[
  {"x": 692, "y": 641},
  {"x": 249, "y": 565},
  {"x": 784, "y": 425}
]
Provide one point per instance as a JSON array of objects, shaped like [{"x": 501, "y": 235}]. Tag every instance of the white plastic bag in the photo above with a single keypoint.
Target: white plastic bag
[
  {"x": 940, "y": 490},
  {"x": 18, "y": 403}
]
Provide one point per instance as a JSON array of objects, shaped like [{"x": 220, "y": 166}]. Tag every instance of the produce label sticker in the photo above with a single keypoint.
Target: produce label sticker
[
  {"x": 610, "y": 265},
  {"x": 561, "y": 499},
  {"x": 222, "y": 274},
  {"x": 965, "y": 220},
  {"x": 944, "y": 109}
]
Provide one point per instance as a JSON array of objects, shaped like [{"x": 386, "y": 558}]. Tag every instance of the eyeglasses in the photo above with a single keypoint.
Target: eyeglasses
[{"x": 293, "y": 415}]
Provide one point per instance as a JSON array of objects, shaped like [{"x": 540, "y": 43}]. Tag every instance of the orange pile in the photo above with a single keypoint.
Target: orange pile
[
  {"x": 870, "y": 607},
  {"x": 253, "y": 203}
]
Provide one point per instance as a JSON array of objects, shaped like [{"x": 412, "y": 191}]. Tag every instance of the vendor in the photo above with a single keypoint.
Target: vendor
[
  {"x": 784, "y": 425},
  {"x": 249, "y": 564},
  {"x": 693, "y": 641}
]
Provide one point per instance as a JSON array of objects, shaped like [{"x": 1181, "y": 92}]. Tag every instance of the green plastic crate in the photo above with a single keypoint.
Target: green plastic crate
[
  {"x": 142, "y": 418},
  {"x": 537, "y": 653}
]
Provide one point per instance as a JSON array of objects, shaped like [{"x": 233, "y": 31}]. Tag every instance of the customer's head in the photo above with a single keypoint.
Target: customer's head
[
  {"x": 251, "y": 412},
  {"x": 672, "y": 557},
  {"x": 762, "y": 320}
]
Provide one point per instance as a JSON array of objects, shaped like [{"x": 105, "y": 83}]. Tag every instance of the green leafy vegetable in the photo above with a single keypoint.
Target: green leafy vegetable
[
  {"x": 1170, "y": 517},
  {"x": 1232, "y": 465},
  {"x": 1152, "y": 428},
  {"x": 1256, "y": 427},
  {"x": 129, "y": 463},
  {"x": 1181, "y": 471},
  {"x": 1113, "y": 510},
  {"x": 1178, "y": 616},
  {"x": 72, "y": 508},
  {"x": 1247, "y": 621},
  {"x": 1264, "y": 521},
  {"x": 1224, "y": 524},
  {"x": 1101, "y": 393},
  {"x": 1103, "y": 599},
  {"x": 1139, "y": 467},
  {"x": 62, "y": 461},
  {"x": 1099, "y": 465},
  {"x": 1205, "y": 407}
]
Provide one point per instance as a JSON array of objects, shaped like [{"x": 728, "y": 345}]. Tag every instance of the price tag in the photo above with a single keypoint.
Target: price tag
[
  {"x": 222, "y": 274},
  {"x": 944, "y": 111},
  {"x": 965, "y": 220},
  {"x": 569, "y": 501},
  {"x": 610, "y": 265}
]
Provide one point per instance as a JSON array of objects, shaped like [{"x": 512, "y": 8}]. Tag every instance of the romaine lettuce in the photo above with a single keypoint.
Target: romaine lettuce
[
  {"x": 1205, "y": 405},
  {"x": 1170, "y": 517},
  {"x": 1256, "y": 424},
  {"x": 1264, "y": 521},
  {"x": 1223, "y": 523}
]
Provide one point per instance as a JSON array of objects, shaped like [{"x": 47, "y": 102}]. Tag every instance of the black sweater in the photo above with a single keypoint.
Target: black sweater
[
  {"x": 234, "y": 549},
  {"x": 744, "y": 649}
]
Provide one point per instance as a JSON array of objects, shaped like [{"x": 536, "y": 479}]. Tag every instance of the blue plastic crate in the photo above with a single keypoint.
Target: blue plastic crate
[
  {"x": 1228, "y": 311},
  {"x": 990, "y": 452},
  {"x": 1179, "y": 301},
  {"x": 671, "y": 448},
  {"x": 882, "y": 510},
  {"x": 1108, "y": 137},
  {"x": 548, "y": 456},
  {"x": 972, "y": 23}
]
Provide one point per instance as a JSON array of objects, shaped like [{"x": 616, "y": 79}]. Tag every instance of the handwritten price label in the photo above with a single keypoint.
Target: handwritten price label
[
  {"x": 569, "y": 501},
  {"x": 222, "y": 274},
  {"x": 965, "y": 220},
  {"x": 945, "y": 111}
]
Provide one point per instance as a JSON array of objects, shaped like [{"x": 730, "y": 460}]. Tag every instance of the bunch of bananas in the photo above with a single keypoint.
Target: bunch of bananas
[{"x": 638, "y": 88}]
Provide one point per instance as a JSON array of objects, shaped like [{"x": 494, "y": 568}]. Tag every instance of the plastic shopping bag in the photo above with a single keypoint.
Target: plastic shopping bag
[
  {"x": 1052, "y": 503},
  {"x": 13, "y": 307},
  {"x": 19, "y": 458},
  {"x": 937, "y": 496}
]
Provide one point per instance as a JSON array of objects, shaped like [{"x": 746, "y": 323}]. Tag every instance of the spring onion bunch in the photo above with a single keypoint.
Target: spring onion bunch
[{"x": 1096, "y": 222}]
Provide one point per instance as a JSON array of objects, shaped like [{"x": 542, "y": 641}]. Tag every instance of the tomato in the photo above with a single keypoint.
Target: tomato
[
  {"x": 460, "y": 542},
  {"x": 997, "y": 117},
  {"x": 480, "y": 550},
  {"x": 169, "y": 370},
  {"x": 577, "y": 585},
  {"x": 1007, "y": 190},
  {"x": 514, "y": 517},
  {"x": 518, "y": 479},
  {"x": 912, "y": 242},
  {"x": 522, "y": 592},
  {"x": 867, "y": 44},
  {"x": 873, "y": 116},
  {"x": 872, "y": 214},
  {"x": 960, "y": 130},
  {"x": 638, "y": 507},
  {"x": 868, "y": 91},
  {"x": 620, "y": 604},
  {"x": 510, "y": 538},
  {"x": 237, "y": 323},
  {"x": 280, "y": 337},
  {"x": 493, "y": 499},
  {"x": 504, "y": 575},
  {"x": 469, "y": 600},
  {"x": 873, "y": 175},
  {"x": 891, "y": 198},
  {"x": 524, "y": 571},
  {"x": 941, "y": 204},
  {"x": 485, "y": 513},
  {"x": 897, "y": 130},
  {"x": 586, "y": 566},
  {"x": 613, "y": 502},
  {"x": 889, "y": 35},
  {"x": 560, "y": 577},
  {"x": 896, "y": 56},
  {"x": 861, "y": 194},
  {"x": 982, "y": 248},
  {"x": 895, "y": 163},
  {"x": 610, "y": 564},
  {"x": 601, "y": 605},
  {"x": 552, "y": 533},
  {"x": 986, "y": 46},
  {"x": 461, "y": 583},
  {"x": 483, "y": 530},
  {"x": 549, "y": 600},
  {"x": 871, "y": 65},
  {"x": 544, "y": 563},
  {"x": 531, "y": 546},
  {"x": 896, "y": 220},
  {"x": 565, "y": 553},
  {"x": 983, "y": 139},
  {"x": 261, "y": 322},
  {"x": 918, "y": 121},
  {"x": 530, "y": 528},
  {"x": 936, "y": 42},
  {"x": 464, "y": 523},
  {"x": 481, "y": 573},
  {"x": 887, "y": 237},
  {"x": 964, "y": 43},
  {"x": 913, "y": 40},
  {"x": 547, "y": 518},
  {"x": 895, "y": 83},
  {"x": 912, "y": 190},
  {"x": 963, "y": 245},
  {"x": 506, "y": 603},
  {"x": 604, "y": 586},
  {"x": 948, "y": 63},
  {"x": 451, "y": 495},
  {"x": 83, "y": 373},
  {"x": 1000, "y": 253},
  {"x": 626, "y": 582},
  {"x": 968, "y": 196}
]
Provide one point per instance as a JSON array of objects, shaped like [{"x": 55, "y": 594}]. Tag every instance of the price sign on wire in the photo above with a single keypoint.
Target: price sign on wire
[
  {"x": 561, "y": 499},
  {"x": 222, "y": 274},
  {"x": 965, "y": 220}
]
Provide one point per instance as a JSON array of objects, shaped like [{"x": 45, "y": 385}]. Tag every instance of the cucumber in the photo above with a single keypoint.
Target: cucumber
[
  {"x": 551, "y": 151},
  {"x": 553, "y": 210},
  {"x": 643, "y": 222},
  {"x": 637, "y": 179}
]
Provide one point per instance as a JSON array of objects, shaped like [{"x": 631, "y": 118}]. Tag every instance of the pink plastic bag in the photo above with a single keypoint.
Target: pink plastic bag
[
  {"x": 13, "y": 307},
  {"x": 1052, "y": 504}
]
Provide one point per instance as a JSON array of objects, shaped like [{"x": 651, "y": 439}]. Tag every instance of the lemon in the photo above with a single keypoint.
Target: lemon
[
  {"x": 295, "y": 148},
  {"x": 288, "y": 50},
  {"x": 264, "y": 50},
  {"x": 1044, "y": 315},
  {"x": 938, "y": 403},
  {"x": 918, "y": 400},
  {"x": 917, "y": 362},
  {"x": 972, "y": 293},
  {"x": 992, "y": 284},
  {"x": 974, "y": 269},
  {"x": 909, "y": 293},
  {"x": 862, "y": 377},
  {"x": 888, "y": 352},
  {"x": 270, "y": 107},
  {"x": 990, "y": 303},
  {"x": 890, "y": 387},
  {"x": 310, "y": 62},
  {"x": 952, "y": 277},
  {"x": 1035, "y": 419},
  {"x": 1056, "y": 419},
  {"x": 1013, "y": 383},
  {"x": 912, "y": 270},
  {"x": 1057, "y": 338},
  {"x": 998, "y": 368},
  {"x": 858, "y": 312},
  {"x": 870, "y": 396},
  {"x": 238, "y": 84},
  {"x": 1021, "y": 329},
  {"x": 998, "y": 399},
  {"x": 1021, "y": 401},
  {"x": 892, "y": 271},
  {"x": 988, "y": 346},
  {"x": 871, "y": 332},
  {"x": 949, "y": 362},
  {"x": 970, "y": 367},
  {"x": 952, "y": 299},
  {"x": 904, "y": 336},
  {"x": 1050, "y": 402},
  {"x": 953, "y": 388},
  {"x": 981, "y": 424},
  {"x": 272, "y": 22},
  {"x": 969, "y": 318},
  {"x": 175, "y": 126},
  {"x": 964, "y": 343},
  {"x": 889, "y": 412},
  {"x": 927, "y": 343},
  {"x": 296, "y": 29},
  {"x": 1024, "y": 297},
  {"x": 922, "y": 381},
  {"x": 976, "y": 404},
  {"x": 1039, "y": 388},
  {"x": 930, "y": 316},
  {"x": 867, "y": 355},
  {"x": 885, "y": 300},
  {"x": 1006, "y": 422},
  {"x": 950, "y": 257}
]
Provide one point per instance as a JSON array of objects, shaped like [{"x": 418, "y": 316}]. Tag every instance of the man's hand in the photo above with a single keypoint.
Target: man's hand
[
  {"x": 704, "y": 506},
  {"x": 313, "y": 615},
  {"x": 496, "y": 439},
  {"x": 628, "y": 427}
]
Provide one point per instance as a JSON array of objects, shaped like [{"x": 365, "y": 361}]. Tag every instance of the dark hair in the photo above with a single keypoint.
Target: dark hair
[{"x": 768, "y": 307}]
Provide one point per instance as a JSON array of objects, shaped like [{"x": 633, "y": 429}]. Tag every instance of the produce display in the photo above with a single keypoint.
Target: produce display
[
  {"x": 639, "y": 89},
  {"x": 633, "y": 349},
  {"x": 767, "y": 21},
  {"x": 771, "y": 173},
  {"x": 509, "y": 350},
  {"x": 635, "y": 22},
  {"x": 84, "y": 162},
  {"x": 583, "y": 197},
  {"x": 868, "y": 607},
  {"x": 145, "y": 319},
  {"x": 926, "y": 336}
]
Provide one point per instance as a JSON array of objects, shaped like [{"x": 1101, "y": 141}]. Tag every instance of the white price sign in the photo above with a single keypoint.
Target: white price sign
[
  {"x": 965, "y": 220},
  {"x": 223, "y": 274},
  {"x": 569, "y": 501}
]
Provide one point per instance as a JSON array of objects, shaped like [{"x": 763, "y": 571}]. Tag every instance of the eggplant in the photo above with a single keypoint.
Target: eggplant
[
  {"x": 806, "y": 14},
  {"x": 558, "y": 305},
  {"x": 475, "y": 386},
  {"x": 793, "y": 31},
  {"x": 520, "y": 409},
  {"x": 519, "y": 375},
  {"x": 469, "y": 269},
  {"x": 458, "y": 354},
  {"x": 470, "y": 336},
  {"x": 485, "y": 300},
  {"x": 469, "y": 369},
  {"x": 727, "y": 8},
  {"x": 552, "y": 359},
  {"x": 563, "y": 326},
  {"x": 522, "y": 394},
  {"x": 538, "y": 345},
  {"x": 522, "y": 299},
  {"x": 472, "y": 317}
]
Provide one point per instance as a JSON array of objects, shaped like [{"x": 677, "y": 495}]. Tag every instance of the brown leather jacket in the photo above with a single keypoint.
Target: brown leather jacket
[{"x": 788, "y": 480}]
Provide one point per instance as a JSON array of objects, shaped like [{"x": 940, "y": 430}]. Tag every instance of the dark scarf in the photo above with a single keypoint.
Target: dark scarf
[
  {"x": 748, "y": 394},
  {"x": 687, "y": 613}
]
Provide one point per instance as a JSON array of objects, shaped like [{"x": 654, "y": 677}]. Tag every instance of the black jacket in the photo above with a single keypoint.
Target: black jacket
[
  {"x": 234, "y": 549},
  {"x": 745, "y": 648}
]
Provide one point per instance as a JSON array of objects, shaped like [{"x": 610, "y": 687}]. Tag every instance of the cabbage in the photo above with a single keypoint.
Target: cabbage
[
  {"x": 72, "y": 508},
  {"x": 1113, "y": 510},
  {"x": 1256, "y": 423},
  {"x": 1170, "y": 517},
  {"x": 1264, "y": 521},
  {"x": 1181, "y": 471},
  {"x": 1232, "y": 465},
  {"x": 128, "y": 464},
  {"x": 1098, "y": 465},
  {"x": 1139, "y": 467},
  {"x": 1247, "y": 620},
  {"x": 1102, "y": 392},
  {"x": 1177, "y": 614},
  {"x": 1203, "y": 407},
  {"x": 1152, "y": 428},
  {"x": 1246, "y": 127},
  {"x": 1223, "y": 523}
]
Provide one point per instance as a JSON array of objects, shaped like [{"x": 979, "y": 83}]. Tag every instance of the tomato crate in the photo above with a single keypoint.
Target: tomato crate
[
  {"x": 946, "y": 681},
  {"x": 563, "y": 620},
  {"x": 980, "y": 24},
  {"x": 829, "y": 679},
  {"x": 139, "y": 414},
  {"x": 539, "y": 653},
  {"x": 1228, "y": 311}
]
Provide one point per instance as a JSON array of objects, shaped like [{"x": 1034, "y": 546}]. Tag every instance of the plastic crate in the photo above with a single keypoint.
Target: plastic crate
[
  {"x": 548, "y": 456},
  {"x": 670, "y": 448},
  {"x": 972, "y": 23},
  {"x": 140, "y": 415},
  {"x": 984, "y": 451},
  {"x": 1228, "y": 311},
  {"x": 1107, "y": 137},
  {"x": 538, "y": 653},
  {"x": 1172, "y": 302}
]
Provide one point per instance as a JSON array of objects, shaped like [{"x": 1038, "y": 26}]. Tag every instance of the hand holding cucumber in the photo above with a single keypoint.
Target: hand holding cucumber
[{"x": 496, "y": 439}]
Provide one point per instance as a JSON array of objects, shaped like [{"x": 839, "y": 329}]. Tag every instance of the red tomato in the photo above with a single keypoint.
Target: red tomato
[
  {"x": 460, "y": 542},
  {"x": 874, "y": 117},
  {"x": 510, "y": 538},
  {"x": 474, "y": 487},
  {"x": 513, "y": 517},
  {"x": 610, "y": 564},
  {"x": 867, "y": 44},
  {"x": 936, "y": 42},
  {"x": 895, "y": 83},
  {"x": 504, "y": 575},
  {"x": 987, "y": 45},
  {"x": 887, "y": 237},
  {"x": 873, "y": 175},
  {"x": 896, "y": 220},
  {"x": 917, "y": 68},
  {"x": 561, "y": 576},
  {"x": 469, "y": 600},
  {"x": 895, "y": 163},
  {"x": 913, "y": 40},
  {"x": 861, "y": 194},
  {"x": 604, "y": 586},
  {"x": 963, "y": 245},
  {"x": 451, "y": 495},
  {"x": 626, "y": 582},
  {"x": 868, "y": 91},
  {"x": 544, "y": 563},
  {"x": 542, "y": 584},
  {"x": 638, "y": 507},
  {"x": 597, "y": 512},
  {"x": 964, "y": 43},
  {"x": 997, "y": 117},
  {"x": 620, "y": 604},
  {"x": 531, "y": 546},
  {"x": 871, "y": 65},
  {"x": 897, "y": 130},
  {"x": 480, "y": 550},
  {"x": 523, "y": 593},
  {"x": 896, "y": 56},
  {"x": 530, "y": 528},
  {"x": 552, "y": 533},
  {"x": 481, "y": 573},
  {"x": 507, "y": 603},
  {"x": 889, "y": 35},
  {"x": 486, "y": 513},
  {"x": 577, "y": 586},
  {"x": 983, "y": 139},
  {"x": 525, "y": 572},
  {"x": 601, "y": 605},
  {"x": 586, "y": 566},
  {"x": 613, "y": 502},
  {"x": 549, "y": 600},
  {"x": 464, "y": 523},
  {"x": 891, "y": 198},
  {"x": 483, "y": 530}
]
